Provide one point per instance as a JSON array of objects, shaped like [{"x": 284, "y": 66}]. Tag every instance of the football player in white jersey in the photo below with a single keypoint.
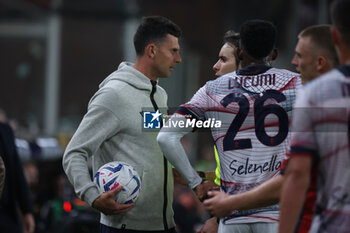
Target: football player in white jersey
[
  {"x": 253, "y": 105},
  {"x": 320, "y": 137},
  {"x": 228, "y": 62},
  {"x": 314, "y": 55}
]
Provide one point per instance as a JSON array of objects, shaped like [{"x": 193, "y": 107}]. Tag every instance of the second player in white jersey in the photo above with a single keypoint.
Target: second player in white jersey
[
  {"x": 253, "y": 105},
  {"x": 321, "y": 130}
]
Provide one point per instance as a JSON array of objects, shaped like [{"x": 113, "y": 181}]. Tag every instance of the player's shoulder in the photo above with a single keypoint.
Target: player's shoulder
[
  {"x": 327, "y": 85},
  {"x": 283, "y": 72},
  {"x": 286, "y": 78},
  {"x": 218, "y": 81},
  {"x": 223, "y": 78},
  {"x": 325, "y": 80}
]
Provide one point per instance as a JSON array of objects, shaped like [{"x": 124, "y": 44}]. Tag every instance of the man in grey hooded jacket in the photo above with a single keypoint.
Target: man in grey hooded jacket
[{"x": 111, "y": 130}]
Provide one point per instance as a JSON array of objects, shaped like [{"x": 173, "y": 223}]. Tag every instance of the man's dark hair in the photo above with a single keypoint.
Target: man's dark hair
[
  {"x": 258, "y": 38},
  {"x": 232, "y": 38},
  {"x": 153, "y": 29},
  {"x": 341, "y": 18},
  {"x": 321, "y": 39}
]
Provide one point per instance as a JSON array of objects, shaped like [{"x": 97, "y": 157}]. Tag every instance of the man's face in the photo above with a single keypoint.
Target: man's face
[
  {"x": 226, "y": 62},
  {"x": 305, "y": 60},
  {"x": 167, "y": 56}
]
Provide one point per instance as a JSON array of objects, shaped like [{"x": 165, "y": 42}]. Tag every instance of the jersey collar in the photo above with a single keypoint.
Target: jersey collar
[
  {"x": 345, "y": 70},
  {"x": 253, "y": 70}
]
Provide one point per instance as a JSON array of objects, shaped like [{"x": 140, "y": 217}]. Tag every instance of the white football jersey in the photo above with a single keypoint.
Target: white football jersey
[
  {"x": 321, "y": 128},
  {"x": 254, "y": 105}
]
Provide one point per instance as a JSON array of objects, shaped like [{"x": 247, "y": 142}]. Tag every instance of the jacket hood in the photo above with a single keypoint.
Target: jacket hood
[{"x": 127, "y": 73}]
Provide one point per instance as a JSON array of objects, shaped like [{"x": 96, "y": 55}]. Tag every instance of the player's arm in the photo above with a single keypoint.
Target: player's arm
[
  {"x": 97, "y": 125},
  {"x": 169, "y": 140},
  {"x": 220, "y": 204},
  {"x": 297, "y": 179}
]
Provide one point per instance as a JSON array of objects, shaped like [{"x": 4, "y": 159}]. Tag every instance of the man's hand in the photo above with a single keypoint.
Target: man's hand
[
  {"x": 202, "y": 189},
  {"x": 210, "y": 226},
  {"x": 218, "y": 204},
  {"x": 106, "y": 203},
  {"x": 28, "y": 223}
]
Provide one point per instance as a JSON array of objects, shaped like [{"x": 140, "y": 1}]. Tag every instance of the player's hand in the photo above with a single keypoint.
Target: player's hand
[
  {"x": 217, "y": 205},
  {"x": 106, "y": 203},
  {"x": 178, "y": 179},
  {"x": 202, "y": 189},
  {"x": 210, "y": 226}
]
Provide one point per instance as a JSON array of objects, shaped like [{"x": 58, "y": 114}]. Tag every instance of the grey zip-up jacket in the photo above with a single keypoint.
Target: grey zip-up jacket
[{"x": 111, "y": 130}]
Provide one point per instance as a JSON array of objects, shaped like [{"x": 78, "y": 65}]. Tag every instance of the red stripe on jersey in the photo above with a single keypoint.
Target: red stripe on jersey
[
  {"x": 330, "y": 120},
  {"x": 305, "y": 219},
  {"x": 296, "y": 143},
  {"x": 221, "y": 110},
  {"x": 284, "y": 165},
  {"x": 234, "y": 183},
  {"x": 212, "y": 98},
  {"x": 264, "y": 217},
  {"x": 291, "y": 84}
]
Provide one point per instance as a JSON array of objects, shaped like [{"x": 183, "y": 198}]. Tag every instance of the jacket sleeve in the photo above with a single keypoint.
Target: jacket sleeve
[{"x": 99, "y": 124}]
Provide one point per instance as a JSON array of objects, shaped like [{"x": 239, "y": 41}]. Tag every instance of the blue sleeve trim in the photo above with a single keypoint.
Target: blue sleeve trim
[
  {"x": 303, "y": 150},
  {"x": 187, "y": 112}
]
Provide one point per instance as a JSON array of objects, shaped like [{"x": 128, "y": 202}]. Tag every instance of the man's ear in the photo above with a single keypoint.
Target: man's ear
[
  {"x": 239, "y": 53},
  {"x": 151, "y": 50},
  {"x": 321, "y": 63},
  {"x": 335, "y": 35},
  {"x": 274, "y": 54}
]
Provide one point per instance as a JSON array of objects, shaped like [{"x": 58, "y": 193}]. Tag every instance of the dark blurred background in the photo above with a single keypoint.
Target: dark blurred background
[{"x": 54, "y": 54}]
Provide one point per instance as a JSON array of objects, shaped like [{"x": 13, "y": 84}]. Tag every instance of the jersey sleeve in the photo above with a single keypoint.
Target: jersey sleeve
[{"x": 169, "y": 140}]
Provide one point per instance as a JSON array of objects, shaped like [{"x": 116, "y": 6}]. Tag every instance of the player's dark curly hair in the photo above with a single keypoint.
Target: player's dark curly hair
[
  {"x": 153, "y": 29},
  {"x": 258, "y": 38}
]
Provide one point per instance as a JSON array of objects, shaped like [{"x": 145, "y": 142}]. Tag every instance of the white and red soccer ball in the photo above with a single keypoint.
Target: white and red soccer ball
[{"x": 114, "y": 174}]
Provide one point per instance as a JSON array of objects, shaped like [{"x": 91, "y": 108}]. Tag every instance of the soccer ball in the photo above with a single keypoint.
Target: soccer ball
[{"x": 114, "y": 174}]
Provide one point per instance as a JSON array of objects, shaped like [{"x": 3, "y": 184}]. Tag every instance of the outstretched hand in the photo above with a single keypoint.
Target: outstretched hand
[
  {"x": 217, "y": 204},
  {"x": 106, "y": 203}
]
